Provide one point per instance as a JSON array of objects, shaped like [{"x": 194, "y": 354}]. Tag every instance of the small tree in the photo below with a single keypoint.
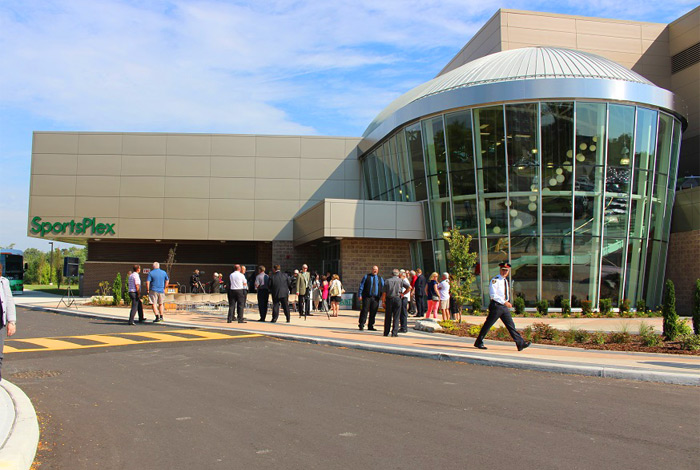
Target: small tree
[
  {"x": 171, "y": 259},
  {"x": 117, "y": 289},
  {"x": 696, "y": 308},
  {"x": 671, "y": 318},
  {"x": 461, "y": 265}
]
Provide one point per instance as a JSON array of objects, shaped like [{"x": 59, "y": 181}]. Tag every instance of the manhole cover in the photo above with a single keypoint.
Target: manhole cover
[{"x": 36, "y": 374}]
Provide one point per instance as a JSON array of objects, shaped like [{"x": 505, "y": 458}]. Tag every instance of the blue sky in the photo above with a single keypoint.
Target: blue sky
[{"x": 258, "y": 67}]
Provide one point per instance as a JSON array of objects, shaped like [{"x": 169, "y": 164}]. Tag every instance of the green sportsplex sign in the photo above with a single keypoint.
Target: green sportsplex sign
[{"x": 87, "y": 226}]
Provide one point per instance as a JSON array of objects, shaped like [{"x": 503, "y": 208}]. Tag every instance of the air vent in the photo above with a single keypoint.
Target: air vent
[{"x": 685, "y": 58}]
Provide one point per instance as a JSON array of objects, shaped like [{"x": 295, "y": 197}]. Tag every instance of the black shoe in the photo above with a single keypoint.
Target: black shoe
[
  {"x": 524, "y": 345},
  {"x": 480, "y": 346},
  {"x": 289, "y": 321},
  {"x": 371, "y": 328},
  {"x": 131, "y": 323},
  {"x": 242, "y": 321},
  {"x": 394, "y": 335},
  {"x": 261, "y": 320},
  {"x": 361, "y": 327},
  {"x": 142, "y": 320},
  {"x": 386, "y": 334},
  {"x": 403, "y": 331},
  {"x": 229, "y": 321},
  {"x": 158, "y": 320}
]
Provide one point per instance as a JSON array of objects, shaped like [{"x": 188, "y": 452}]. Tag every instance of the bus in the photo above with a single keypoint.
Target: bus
[{"x": 13, "y": 268}]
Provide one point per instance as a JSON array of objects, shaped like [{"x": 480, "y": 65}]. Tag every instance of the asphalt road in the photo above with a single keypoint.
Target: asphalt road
[{"x": 265, "y": 403}]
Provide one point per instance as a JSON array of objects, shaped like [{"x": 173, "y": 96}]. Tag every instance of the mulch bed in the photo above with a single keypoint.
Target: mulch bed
[{"x": 633, "y": 345}]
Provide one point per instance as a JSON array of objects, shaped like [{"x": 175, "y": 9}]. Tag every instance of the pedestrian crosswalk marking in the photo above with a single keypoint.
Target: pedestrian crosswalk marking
[{"x": 117, "y": 339}]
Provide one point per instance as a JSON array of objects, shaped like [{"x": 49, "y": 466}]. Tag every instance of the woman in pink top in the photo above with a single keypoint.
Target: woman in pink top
[{"x": 324, "y": 293}]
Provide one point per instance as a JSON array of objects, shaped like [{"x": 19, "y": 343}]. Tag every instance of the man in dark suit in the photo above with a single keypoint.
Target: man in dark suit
[
  {"x": 419, "y": 292},
  {"x": 280, "y": 285},
  {"x": 369, "y": 293}
]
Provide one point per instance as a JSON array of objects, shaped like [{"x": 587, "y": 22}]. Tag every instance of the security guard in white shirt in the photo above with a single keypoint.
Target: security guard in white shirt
[
  {"x": 499, "y": 290},
  {"x": 8, "y": 315}
]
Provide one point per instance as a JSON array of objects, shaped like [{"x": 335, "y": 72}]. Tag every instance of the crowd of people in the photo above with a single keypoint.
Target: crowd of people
[{"x": 406, "y": 292}]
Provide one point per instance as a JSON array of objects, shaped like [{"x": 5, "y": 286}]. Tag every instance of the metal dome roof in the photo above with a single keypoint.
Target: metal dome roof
[{"x": 528, "y": 63}]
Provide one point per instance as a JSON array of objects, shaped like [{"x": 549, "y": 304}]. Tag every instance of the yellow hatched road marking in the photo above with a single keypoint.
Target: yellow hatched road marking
[{"x": 57, "y": 344}]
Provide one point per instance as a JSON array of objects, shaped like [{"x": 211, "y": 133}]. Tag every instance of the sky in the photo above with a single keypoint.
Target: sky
[{"x": 241, "y": 67}]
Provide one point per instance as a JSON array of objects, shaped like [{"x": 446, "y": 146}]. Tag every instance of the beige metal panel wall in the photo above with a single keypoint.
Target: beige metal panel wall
[
  {"x": 642, "y": 47},
  {"x": 188, "y": 186},
  {"x": 684, "y": 33},
  {"x": 344, "y": 218}
]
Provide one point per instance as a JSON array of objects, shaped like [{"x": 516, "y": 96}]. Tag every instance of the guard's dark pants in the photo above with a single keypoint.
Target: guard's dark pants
[
  {"x": 404, "y": 315},
  {"x": 276, "y": 301},
  {"x": 370, "y": 305},
  {"x": 421, "y": 305},
  {"x": 497, "y": 311},
  {"x": 304, "y": 303},
  {"x": 136, "y": 305},
  {"x": 3, "y": 335},
  {"x": 392, "y": 312},
  {"x": 263, "y": 299},
  {"x": 236, "y": 302}
]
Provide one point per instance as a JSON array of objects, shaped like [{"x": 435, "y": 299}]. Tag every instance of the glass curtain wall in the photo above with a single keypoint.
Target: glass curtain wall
[{"x": 575, "y": 195}]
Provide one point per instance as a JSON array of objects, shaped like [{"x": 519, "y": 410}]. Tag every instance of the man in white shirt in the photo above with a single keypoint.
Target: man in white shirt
[
  {"x": 135, "y": 295},
  {"x": 8, "y": 314},
  {"x": 444, "y": 290},
  {"x": 238, "y": 286},
  {"x": 499, "y": 290}
]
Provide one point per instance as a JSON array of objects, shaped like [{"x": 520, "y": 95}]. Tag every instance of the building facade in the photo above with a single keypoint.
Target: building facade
[{"x": 552, "y": 140}]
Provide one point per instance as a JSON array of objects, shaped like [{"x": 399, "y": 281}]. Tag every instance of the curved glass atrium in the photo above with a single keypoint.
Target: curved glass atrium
[{"x": 576, "y": 195}]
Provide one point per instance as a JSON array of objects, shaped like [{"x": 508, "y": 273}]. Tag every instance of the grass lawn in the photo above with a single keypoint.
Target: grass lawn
[{"x": 51, "y": 289}]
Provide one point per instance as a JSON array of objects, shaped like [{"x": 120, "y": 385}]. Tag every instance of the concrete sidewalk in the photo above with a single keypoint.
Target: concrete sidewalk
[
  {"x": 343, "y": 331},
  {"x": 19, "y": 428}
]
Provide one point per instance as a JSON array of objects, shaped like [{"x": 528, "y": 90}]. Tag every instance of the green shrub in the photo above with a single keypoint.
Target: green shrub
[
  {"x": 544, "y": 331},
  {"x": 519, "y": 305},
  {"x": 565, "y": 308},
  {"x": 650, "y": 339},
  {"x": 580, "y": 336},
  {"x": 527, "y": 333},
  {"x": 448, "y": 325},
  {"x": 690, "y": 342},
  {"x": 474, "y": 330},
  {"x": 641, "y": 306},
  {"x": 476, "y": 305},
  {"x": 117, "y": 289},
  {"x": 598, "y": 338},
  {"x": 625, "y": 308},
  {"x": 669, "y": 312},
  {"x": 605, "y": 306},
  {"x": 103, "y": 289},
  {"x": 619, "y": 337},
  {"x": 501, "y": 333},
  {"x": 683, "y": 327},
  {"x": 696, "y": 308},
  {"x": 586, "y": 307},
  {"x": 542, "y": 307},
  {"x": 568, "y": 337}
]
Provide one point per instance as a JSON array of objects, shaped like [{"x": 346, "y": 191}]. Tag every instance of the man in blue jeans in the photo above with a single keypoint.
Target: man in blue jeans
[{"x": 156, "y": 284}]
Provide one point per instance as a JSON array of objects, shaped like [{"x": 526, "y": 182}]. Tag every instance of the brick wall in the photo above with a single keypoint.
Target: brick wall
[
  {"x": 357, "y": 256},
  {"x": 683, "y": 269}
]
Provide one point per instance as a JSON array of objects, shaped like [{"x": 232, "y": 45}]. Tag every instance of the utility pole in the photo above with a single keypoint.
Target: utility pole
[{"x": 51, "y": 264}]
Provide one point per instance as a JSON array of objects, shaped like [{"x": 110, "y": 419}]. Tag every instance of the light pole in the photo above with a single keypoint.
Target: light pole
[{"x": 51, "y": 264}]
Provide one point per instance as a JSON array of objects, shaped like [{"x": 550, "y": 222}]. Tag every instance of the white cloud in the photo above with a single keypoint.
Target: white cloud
[{"x": 277, "y": 66}]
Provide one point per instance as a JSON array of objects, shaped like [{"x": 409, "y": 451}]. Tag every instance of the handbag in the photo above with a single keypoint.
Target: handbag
[{"x": 435, "y": 298}]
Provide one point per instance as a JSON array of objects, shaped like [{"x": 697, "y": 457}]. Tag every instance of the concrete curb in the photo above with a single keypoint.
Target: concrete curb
[
  {"x": 19, "y": 449},
  {"x": 483, "y": 359}
]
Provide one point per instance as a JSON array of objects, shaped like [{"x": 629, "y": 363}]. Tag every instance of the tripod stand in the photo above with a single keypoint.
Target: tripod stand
[{"x": 68, "y": 298}]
